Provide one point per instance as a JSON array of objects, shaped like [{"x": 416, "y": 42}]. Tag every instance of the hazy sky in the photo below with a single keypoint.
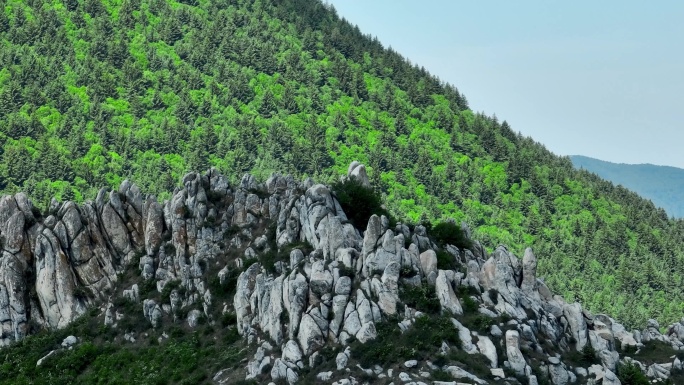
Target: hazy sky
[{"x": 598, "y": 78}]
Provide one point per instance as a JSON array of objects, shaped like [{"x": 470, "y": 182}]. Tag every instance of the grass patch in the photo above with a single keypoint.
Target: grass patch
[
  {"x": 96, "y": 359},
  {"x": 420, "y": 341},
  {"x": 477, "y": 364},
  {"x": 655, "y": 352}
]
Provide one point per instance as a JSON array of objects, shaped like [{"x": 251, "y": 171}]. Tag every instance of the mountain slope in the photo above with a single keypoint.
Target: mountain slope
[
  {"x": 663, "y": 185},
  {"x": 260, "y": 282},
  {"x": 97, "y": 91}
]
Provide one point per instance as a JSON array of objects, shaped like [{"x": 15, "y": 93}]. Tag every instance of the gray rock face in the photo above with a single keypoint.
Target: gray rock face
[
  {"x": 292, "y": 353},
  {"x": 513, "y": 353},
  {"x": 558, "y": 374},
  {"x": 55, "y": 282},
  {"x": 459, "y": 373},
  {"x": 529, "y": 280},
  {"x": 154, "y": 228},
  {"x": 13, "y": 309},
  {"x": 465, "y": 337},
  {"x": 310, "y": 335},
  {"x": 241, "y": 301},
  {"x": 428, "y": 264},
  {"x": 445, "y": 294},
  {"x": 358, "y": 171},
  {"x": 487, "y": 347},
  {"x": 578, "y": 327},
  {"x": 609, "y": 378}
]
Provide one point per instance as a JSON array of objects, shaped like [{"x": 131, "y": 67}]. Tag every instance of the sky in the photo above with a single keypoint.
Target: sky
[{"x": 603, "y": 79}]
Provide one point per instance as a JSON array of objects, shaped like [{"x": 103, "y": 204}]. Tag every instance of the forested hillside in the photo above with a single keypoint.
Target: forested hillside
[
  {"x": 95, "y": 91},
  {"x": 663, "y": 185}
]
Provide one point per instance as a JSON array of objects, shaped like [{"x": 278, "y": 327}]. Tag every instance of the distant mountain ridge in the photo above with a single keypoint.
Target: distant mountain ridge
[{"x": 663, "y": 185}]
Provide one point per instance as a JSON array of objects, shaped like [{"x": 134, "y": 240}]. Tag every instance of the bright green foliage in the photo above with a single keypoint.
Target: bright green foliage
[{"x": 92, "y": 92}]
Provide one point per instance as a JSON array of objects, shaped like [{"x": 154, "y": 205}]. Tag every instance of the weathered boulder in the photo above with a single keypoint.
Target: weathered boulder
[
  {"x": 428, "y": 265},
  {"x": 488, "y": 349},
  {"x": 465, "y": 337},
  {"x": 358, "y": 171},
  {"x": 445, "y": 294},
  {"x": 529, "y": 272},
  {"x": 515, "y": 357},
  {"x": 578, "y": 327},
  {"x": 609, "y": 378},
  {"x": 241, "y": 301},
  {"x": 154, "y": 228},
  {"x": 557, "y": 372},
  {"x": 292, "y": 353},
  {"x": 310, "y": 335},
  {"x": 55, "y": 282}
]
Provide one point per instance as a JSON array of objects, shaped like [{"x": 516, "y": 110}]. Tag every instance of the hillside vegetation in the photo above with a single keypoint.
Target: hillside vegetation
[
  {"x": 274, "y": 283},
  {"x": 95, "y": 91},
  {"x": 663, "y": 185}
]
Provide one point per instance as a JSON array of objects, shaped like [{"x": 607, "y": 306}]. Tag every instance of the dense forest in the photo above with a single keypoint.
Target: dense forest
[
  {"x": 96, "y": 91},
  {"x": 664, "y": 185}
]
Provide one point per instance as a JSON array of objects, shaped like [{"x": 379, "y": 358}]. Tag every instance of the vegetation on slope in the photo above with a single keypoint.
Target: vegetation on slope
[
  {"x": 95, "y": 91},
  {"x": 171, "y": 354}
]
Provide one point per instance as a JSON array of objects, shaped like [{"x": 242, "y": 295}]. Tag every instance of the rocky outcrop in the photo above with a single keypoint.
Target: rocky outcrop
[{"x": 332, "y": 285}]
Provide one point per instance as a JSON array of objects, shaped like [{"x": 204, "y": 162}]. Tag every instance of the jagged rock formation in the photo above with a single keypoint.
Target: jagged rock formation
[
  {"x": 317, "y": 299},
  {"x": 334, "y": 286}
]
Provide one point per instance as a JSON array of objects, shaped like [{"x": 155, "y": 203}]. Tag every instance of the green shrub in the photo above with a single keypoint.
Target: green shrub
[
  {"x": 469, "y": 305},
  {"x": 630, "y": 374},
  {"x": 169, "y": 249},
  {"x": 82, "y": 293},
  {"x": 421, "y": 298},
  {"x": 269, "y": 259},
  {"x": 407, "y": 272},
  {"x": 359, "y": 202},
  {"x": 481, "y": 323},
  {"x": 589, "y": 356},
  {"x": 449, "y": 233},
  {"x": 464, "y": 290},
  {"x": 230, "y": 232},
  {"x": 146, "y": 287},
  {"x": 655, "y": 351},
  {"x": 504, "y": 318},
  {"x": 493, "y": 295},
  {"x": 420, "y": 341},
  {"x": 347, "y": 271},
  {"x": 228, "y": 319},
  {"x": 168, "y": 288},
  {"x": 227, "y": 288},
  {"x": 446, "y": 261},
  {"x": 477, "y": 364},
  {"x": 232, "y": 336}
]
